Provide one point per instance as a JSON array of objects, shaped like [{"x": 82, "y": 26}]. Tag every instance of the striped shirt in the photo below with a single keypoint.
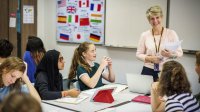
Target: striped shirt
[{"x": 182, "y": 102}]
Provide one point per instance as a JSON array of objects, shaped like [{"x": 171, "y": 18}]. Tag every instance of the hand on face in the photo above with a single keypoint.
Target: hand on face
[
  {"x": 10, "y": 77},
  {"x": 24, "y": 76}
]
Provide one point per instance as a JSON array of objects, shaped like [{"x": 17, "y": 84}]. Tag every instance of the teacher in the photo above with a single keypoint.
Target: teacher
[{"x": 152, "y": 48}]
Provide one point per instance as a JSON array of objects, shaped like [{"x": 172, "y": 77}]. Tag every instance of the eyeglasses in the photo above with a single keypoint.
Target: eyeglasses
[{"x": 60, "y": 59}]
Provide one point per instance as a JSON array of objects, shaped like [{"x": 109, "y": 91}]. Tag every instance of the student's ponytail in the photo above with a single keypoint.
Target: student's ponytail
[
  {"x": 78, "y": 59},
  {"x": 74, "y": 64}
]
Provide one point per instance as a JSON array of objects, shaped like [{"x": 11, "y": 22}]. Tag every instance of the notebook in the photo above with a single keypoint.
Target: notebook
[
  {"x": 72, "y": 100},
  {"x": 142, "y": 99},
  {"x": 139, "y": 83}
]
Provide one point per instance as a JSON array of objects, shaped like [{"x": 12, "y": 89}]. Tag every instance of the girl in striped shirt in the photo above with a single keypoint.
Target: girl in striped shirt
[{"x": 173, "y": 84}]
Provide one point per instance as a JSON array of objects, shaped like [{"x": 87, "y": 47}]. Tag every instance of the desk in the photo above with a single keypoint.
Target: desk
[
  {"x": 88, "y": 106},
  {"x": 51, "y": 108}
]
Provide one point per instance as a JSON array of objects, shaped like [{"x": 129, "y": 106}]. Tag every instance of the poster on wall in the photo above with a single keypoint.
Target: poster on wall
[
  {"x": 28, "y": 14},
  {"x": 80, "y": 20}
]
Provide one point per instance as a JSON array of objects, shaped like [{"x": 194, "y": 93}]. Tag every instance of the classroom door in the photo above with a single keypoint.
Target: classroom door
[
  {"x": 8, "y": 22},
  {"x": 28, "y": 21},
  {"x": 4, "y": 19},
  {"x": 12, "y": 25}
]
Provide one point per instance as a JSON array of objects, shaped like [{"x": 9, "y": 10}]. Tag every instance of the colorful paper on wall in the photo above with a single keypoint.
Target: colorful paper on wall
[
  {"x": 94, "y": 37},
  {"x": 62, "y": 19},
  {"x": 61, "y": 3},
  {"x": 80, "y": 20},
  {"x": 64, "y": 36}
]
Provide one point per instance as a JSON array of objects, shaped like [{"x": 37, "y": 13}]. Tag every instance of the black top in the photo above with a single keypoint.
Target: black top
[
  {"x": 48, "y": 79},
  {"x": 43, "y": 88}
]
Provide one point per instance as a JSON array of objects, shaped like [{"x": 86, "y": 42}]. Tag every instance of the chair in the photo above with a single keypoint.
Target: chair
[
  {"x": 75, "y": 83},
  {"x": 66, "y": 83}
]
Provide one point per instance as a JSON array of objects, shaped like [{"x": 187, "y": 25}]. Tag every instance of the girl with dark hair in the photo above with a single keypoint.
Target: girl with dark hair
[
  {"x": 48, "y": 78},
  {"x": 6, "y": 48},
  {"x": 88, "y": 72},
  {"x": 34, "y": 52},
  {"x": 173, "y": 84}
]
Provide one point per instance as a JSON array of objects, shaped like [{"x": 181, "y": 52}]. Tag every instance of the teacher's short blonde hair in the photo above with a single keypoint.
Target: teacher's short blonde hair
[{"x": 154, "y": 11}]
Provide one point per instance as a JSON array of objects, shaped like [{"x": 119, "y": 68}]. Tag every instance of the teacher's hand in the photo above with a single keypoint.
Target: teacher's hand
[
  {"x": 153, "y": 59},
  {"x": 166, "y": 53}
]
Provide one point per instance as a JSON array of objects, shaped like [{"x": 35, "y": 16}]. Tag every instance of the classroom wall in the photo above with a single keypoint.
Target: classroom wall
[
  {"x": 184, "y": 16},
  {"x": 124, "y": 59}
]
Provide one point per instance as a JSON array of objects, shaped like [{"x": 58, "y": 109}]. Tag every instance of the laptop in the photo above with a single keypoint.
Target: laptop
[{"x": 138, "y": 83}]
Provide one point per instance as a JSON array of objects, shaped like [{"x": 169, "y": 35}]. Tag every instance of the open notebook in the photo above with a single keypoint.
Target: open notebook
[{"x": 72, "y": 100}]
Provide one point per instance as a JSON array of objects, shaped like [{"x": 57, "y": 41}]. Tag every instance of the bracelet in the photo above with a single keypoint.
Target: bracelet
[{"x": 173, "y": 57}]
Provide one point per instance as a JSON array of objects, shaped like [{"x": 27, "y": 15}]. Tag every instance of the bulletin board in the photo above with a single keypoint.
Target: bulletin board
[{"x": 80, "y": 20}]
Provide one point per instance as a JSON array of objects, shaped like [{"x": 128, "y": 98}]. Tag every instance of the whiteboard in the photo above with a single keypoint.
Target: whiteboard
[
  {"x": 184, "y": 18},
  {"x": 126, "y": 19}
]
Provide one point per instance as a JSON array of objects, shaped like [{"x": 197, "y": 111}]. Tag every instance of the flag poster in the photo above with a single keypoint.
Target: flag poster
[{"x": 80, "y": 20}]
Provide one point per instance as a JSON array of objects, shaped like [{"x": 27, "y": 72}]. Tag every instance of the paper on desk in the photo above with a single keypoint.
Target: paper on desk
[
  {"x": 119, "y": 87},
  {"x": 173, "y": 46},
  {"x": 90, "y": 91},
  {"x": 72, "y": 100}
]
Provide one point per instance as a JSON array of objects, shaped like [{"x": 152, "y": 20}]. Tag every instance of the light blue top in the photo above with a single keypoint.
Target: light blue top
[{"x": 5, "y": 91}]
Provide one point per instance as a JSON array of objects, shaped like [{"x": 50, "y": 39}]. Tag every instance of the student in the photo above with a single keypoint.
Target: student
[
  {"x": 48, "y": 78},
  {"x": 151, "y": 47},
  {"x": 34, "y": 52},
  {"x": 12, "y": 74},
  {"x": 88, "y": 72},
  {"x": 173, "y": 84},
  {"x": 5, "y": 49},
  {"x": 197, "y": 69},
  {"x": 20, "y": 102}
]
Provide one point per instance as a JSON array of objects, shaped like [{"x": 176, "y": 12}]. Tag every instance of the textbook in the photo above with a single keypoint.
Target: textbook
[
  {"x": 72, "y": 100},
  {"x": 142, "y": 99}
]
